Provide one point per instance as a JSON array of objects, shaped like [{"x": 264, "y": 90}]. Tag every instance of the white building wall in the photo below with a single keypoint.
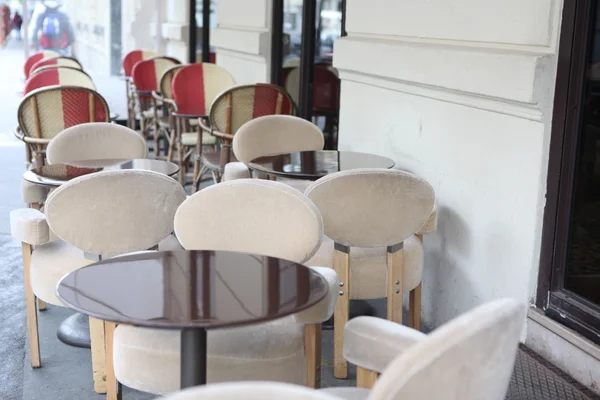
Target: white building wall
[
  {"x": 243, "y": 40},
  {"x": 460, "y": 93}
]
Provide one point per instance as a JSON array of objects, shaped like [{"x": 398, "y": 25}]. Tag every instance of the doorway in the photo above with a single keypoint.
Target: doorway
[{"x": 569, "y": 283}]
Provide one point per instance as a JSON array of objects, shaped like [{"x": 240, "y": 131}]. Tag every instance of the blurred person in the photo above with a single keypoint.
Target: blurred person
[
  {"x": 52, "y": 29},
  {"x": 5, "y": 24},
  {"x": 17, "y": 23}
]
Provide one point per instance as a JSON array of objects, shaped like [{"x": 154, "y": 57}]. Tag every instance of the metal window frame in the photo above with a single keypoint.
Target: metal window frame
[{"x": 192, "y": 38}]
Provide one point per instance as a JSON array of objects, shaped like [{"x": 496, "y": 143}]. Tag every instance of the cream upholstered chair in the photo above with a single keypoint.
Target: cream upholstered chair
[
  {"x": 246, "y": 215},
  {"x": 470, "y": 358},
  {"x": 105, "y": 214},
  {"x": 272, "y": 134},
  {"x": 371, "y": 217},
  {"x": 81, "y": 145}
]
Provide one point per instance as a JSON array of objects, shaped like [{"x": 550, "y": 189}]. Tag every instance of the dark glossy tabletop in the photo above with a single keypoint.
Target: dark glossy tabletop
[
  {"x": 313, "y": 165},
  {"x": 50, "y": 178},
  {"x": 186, "y": 289}
]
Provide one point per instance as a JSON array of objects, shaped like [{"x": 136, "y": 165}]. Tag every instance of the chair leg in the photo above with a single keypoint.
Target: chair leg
[
  {"x": 113, "y": 387},
  {"x": 181, "y": 162},
  {"x": 197, "y": 180},
  {"x": 365, "y": 378},
  {"x": 172, "y": 140},
  {"x": 414, "y": 310},
  {"x": 312, "y": 354},
  {"x": 395, "y": 260},
  {"x": 341, "y": 265},
  {"x": 32, "y": 323},
  {"x": 98, "y": 354}
]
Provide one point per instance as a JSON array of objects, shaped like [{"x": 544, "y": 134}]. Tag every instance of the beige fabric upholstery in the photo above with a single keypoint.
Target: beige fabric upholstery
[
  {"x": 235, "y": 170},
  {"x": 94, "y": 141},
  {"x": 323, "y": 310},
  {"x": 372, "y": 207},
  {"x": 33, "y": 193},
  {"x": 149, "y": 359},
  {"x": 114, "y": 212},
  {"x": 246, "y": 215},
  {"x": 470, "y": 358},
  {"x": 368, "y": 267},
  {"x": 29, "y": 226},
  {"x": 274, "y": 134},
  {"x": 191, "y": 138},
  {"x": 250, "y": 215},
  {"x": 170, "y": 243},
  {"x": 49, "y": 263},
  {"x": 431, "y": 224},
  {"x": 373, "y": 342},
  {"x": 251, "y": 391}
]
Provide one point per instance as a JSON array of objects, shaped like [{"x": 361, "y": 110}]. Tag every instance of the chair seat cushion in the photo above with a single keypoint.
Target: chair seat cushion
[
  {"x": 164, "y": 121},
  {"x": 348, "y": 393},
  {"x": 191, "y": 138},
  {"x": 235, "y": 170},
  {"x": 148, "y": 359},
  {"x": 148, "y": 113},
  {"x": 49, "y": 263},
  {"x": 368, "y": 267}
]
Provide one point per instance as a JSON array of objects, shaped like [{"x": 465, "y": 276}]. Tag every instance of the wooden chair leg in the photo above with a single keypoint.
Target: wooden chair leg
[
  {"x": 41, "y": 305},
  {"x": 98, "y": 344},
  {"x": 32, "y": 324},
  {"x": 395, "y": 264},
  {"x": 341, "y": 264},
  {"x": 181, "y": 161},
  {"x": 365, "y": 378},
  {"x": 414, "y": 310},
  {"x": 312, "y": 354},
  {"x": 172, "y": 139},
  {"x": 113, "y": 387}
]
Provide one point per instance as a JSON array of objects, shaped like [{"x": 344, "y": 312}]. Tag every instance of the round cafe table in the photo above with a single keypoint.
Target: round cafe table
[
  {"x": 191, "y": 291},
  {"x": 53, "y": 179},
  {"x": 312, "y": 165},
  {"x": 74, "y": 330}
]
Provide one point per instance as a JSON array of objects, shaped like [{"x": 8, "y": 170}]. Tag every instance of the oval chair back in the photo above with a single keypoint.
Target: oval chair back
[
  {"x": 114, "y": 212},
  {"x": 166, "y": 81},
  {"x": 95, "y": 141},
  {"x": 326, "y": 88},
  {"x": 273, "y": 134},
  {"x": 133, "y": 57},
  {"x": 195, "y": 87},
  {"x": 60, "y": 61},
  {"x": 251, "y": 215},
  {"x": 372, "y": 207},
  {"x": 45, "y": 112},
  {"x": 240, "y": 104},
  {"x": 471, "y": 357},
  {"x": 146, "y": 74},
  {"x": 34, "y": 58},
  {"x": 51, "y": 76}
]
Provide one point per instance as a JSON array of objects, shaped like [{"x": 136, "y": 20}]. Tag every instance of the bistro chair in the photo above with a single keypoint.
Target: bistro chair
[
  {"x": 326, "y": 97},
  {"x": 146, "y": 75},
  {"x": 247, "y": 215},
  {"x": 45, "y": 112},
  {"x": 129, "y": 61},
  {"x": 94, "y": 216},
  {"x": 232, "y": 109},
  {"x": 470, "y": 358},
  {"x": 34, "y": 58},
  {"x": 60, "y": 61},
  {"x": 268, "y": 135},
  {"x": 371, "y": 219},
  {"x": 52, "y": 76},
  {"x": 195, "y": 87},
  {"x": 164, "y": 118}
]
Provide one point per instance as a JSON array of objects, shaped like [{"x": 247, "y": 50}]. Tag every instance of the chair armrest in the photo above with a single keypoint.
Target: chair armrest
[
  {"x": 203, "y": 123},
  {"x": 33, "y": 193},
  {"x": 372, "y": 343},
  {"x": 431, "y": 224},
  {"x": 29, "y": 226},
  {"x": 222, "y": 135},
  {"x": 171, "y": 103},
  {"x": 157, "y": 96},
  {"x": 323, "y": 310},
  {"x": 18, "y": 133},
  {"x": 235, "y": 170}
]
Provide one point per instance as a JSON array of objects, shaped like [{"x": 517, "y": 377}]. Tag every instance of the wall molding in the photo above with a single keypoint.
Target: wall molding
[{"x": 241, "y": 40}]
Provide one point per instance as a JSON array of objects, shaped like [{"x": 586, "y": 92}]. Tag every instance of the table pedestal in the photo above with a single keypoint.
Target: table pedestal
[
  {"x": 75, "y": 331},
  {"x": 193, "y": 357}
]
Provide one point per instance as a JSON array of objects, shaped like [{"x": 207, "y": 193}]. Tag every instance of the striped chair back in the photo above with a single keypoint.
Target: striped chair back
[
  {"x": 37, "y": 57},
  {"x": 133, "y": 57},
  {"x": 238, "y": 105},
  {"x": 195, "y": 87},
  {"x": 56, "y": 61},
  {"x": 146, "y": 74},
  {"x": 166, "y": 81},
  {"x": 51, "y": 76},
  {"x": 45, "y": 112}
]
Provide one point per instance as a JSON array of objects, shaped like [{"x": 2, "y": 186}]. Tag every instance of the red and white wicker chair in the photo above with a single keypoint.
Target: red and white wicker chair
[
  {"x": 51, "y": 76},
  {"x": 129, "y": 61},
  {"x": 37, "y": 57},
  {"x": 56, "y": 61}
]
